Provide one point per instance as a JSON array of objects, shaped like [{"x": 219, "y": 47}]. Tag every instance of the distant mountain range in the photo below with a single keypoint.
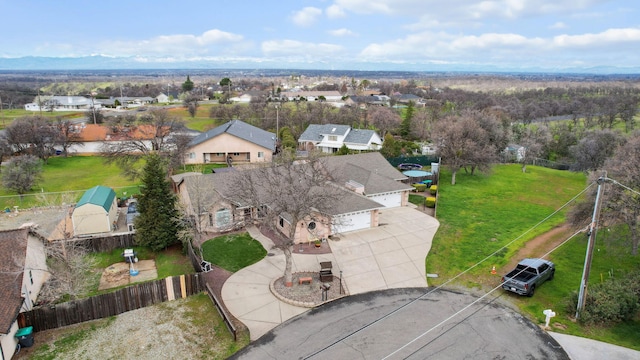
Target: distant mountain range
[{"x": 124, "y": 63}]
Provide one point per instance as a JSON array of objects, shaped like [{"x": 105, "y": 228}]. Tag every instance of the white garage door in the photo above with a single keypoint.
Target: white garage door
[
  {"x": 351, "y": 222},
  {"x": 389, "y": 200}
]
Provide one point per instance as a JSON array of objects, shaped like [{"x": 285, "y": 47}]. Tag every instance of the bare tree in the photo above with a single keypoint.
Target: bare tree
[
  {"x": 384, "y": 119},
  {"x": 32, "y": 134},
  {"x": 621, "y": 204},
  {"x": 151, "y": 133},
  {"x": 532, "y": 139},
  {"x": 67, "y": 134},
  {"x": 71, "y": 269},
  {"x": 594, "y": 149},
  {"x": 457, "y": 145},
  {"x": 21, "y": 173},
  {"x": 291, "y": 195}
]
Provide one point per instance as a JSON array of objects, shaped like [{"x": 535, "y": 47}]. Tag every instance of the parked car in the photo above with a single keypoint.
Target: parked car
[{"x": 528, "y": 274}]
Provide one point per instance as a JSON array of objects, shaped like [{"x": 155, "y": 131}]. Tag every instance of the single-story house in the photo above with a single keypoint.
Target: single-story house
[
  {"x": 514, "y": 152},
  {"x": 329, "y": 138},
  {"x": 232, "y": 142},
  {"x": 62, "y": 103},
  {"x": 96, "y": 212},
  {"x": 23, "y": 270},
  {"x": 367, "y": 181}
]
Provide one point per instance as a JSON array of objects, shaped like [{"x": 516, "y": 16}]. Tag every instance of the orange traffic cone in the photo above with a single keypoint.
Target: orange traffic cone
[{"x": 493, "y": 270}]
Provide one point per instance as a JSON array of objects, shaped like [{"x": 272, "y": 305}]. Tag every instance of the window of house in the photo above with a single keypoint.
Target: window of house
[
  {"x": 311, "y": 225},
  {"x": 248, "y": 156},
  {"x": 223, "y": 217},
  {"x": 333, "y": 138},
  {"x": 262, "y": 211},
  {"x": 210, "y": 219},
  {"x": 192, "y": 155},
  {"x": 281, "y": 222},
  {"x": 31, "y": 277},
  {"x": 260, "y": 154}
]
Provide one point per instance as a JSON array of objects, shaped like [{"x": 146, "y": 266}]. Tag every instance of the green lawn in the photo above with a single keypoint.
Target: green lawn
[
  {"x": 75, "y": 173},
  {"x": 7, "y": 116},
  {"x": 481, "y": 213},
  {"x": 233, "y": 252},
  {"x": 201, "y": 121}
]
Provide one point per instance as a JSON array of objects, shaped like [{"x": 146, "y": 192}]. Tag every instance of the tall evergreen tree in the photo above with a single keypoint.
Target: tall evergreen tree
[
  {"x": 188, "y": 85},
  {"x": 158, "y": 225},
  {"x": 405, "y": 125}
]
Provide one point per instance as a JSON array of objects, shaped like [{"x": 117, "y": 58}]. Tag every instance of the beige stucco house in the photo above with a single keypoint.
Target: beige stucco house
[
  {"x": 23, "y": 270},
  {"x": 96, "y": 212},
  {"x": 232, "y": 142},
  {"x": 367, "y": 181}
]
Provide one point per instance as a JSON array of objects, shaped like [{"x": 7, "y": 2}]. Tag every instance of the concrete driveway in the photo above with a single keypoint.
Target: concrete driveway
[{"x": 389, "y": 256}]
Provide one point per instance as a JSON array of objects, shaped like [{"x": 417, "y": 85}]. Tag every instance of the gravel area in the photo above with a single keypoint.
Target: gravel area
[
  {"x": 180, "y": 329},
  {"x": 310, "y": 294}
]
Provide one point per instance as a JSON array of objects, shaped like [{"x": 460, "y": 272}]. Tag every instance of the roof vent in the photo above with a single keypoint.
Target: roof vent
[{"x": 355, "y": 187}]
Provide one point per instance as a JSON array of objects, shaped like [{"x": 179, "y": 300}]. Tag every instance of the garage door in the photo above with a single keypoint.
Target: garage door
[
  {"x": 351, "y": 222},
  {"x": 389, "y": 200}
]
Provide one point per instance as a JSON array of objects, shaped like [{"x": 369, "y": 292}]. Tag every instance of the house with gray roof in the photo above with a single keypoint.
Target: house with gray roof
[
  {"x": 95, "y": 212},
  {"x": 368, "y": 183},
  {"x": 232, "y": 142},
  {"x": 23, "y": 270},
  {"x": 329, "y": 138}
]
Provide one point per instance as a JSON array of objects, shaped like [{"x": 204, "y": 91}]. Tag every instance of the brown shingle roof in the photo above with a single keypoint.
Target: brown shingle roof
[{"x": 13, "y": 250}]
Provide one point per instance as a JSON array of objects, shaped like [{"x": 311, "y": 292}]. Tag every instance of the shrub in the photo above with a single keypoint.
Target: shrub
[
  {"x": 430, "y": 202},
  {"x": 420, "y": 187},
  {"x": 610, "y": 302},
  {"x": 433, "y": 189}
]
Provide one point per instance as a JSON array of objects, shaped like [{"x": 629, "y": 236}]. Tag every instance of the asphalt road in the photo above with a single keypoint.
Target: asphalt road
[{"x": 404, "y": 324}]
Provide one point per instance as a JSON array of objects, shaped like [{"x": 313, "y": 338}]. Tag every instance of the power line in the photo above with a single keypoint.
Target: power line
[{"x": 450, "y": 280}]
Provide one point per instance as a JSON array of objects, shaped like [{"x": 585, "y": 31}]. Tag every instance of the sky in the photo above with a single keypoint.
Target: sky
[{"x": 331, "y": 34}]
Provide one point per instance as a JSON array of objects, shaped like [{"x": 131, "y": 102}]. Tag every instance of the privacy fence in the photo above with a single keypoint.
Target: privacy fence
[{"x": 101, "y": 306}]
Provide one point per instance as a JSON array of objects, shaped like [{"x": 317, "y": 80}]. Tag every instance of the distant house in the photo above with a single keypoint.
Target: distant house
[
  {"x": 329, "y": 138},
  {"x": 62, "y": 103},
  {"x": 514, "y": 152},
  {"x": 232, "y": 142},
  {"x": 407, "y": 98},
  {"x": 248, "y": 96},
  {"x": 328, "y": 96},
  {"x": 96, "y": 212},
  {"x": 23, "y": 270}
]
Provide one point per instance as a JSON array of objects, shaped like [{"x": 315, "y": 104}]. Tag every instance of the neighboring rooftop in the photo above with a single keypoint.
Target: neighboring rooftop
[{"x": 241, "y": 130}]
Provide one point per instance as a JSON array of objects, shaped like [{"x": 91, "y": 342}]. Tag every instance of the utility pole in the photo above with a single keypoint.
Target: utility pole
[{"x": 590, "y": 246}]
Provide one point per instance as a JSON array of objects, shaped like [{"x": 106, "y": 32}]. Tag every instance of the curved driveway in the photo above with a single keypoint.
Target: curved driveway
[{"x": 389, "y": 256}]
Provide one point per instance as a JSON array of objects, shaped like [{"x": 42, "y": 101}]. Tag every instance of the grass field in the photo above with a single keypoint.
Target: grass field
[
  {"x": 74, "y": 175},
  {"x": 233, "y": 252},
  {"x": 482, "y": 213}
]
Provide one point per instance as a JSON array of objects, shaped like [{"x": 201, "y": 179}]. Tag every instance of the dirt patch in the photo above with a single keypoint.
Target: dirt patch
[
  {"x": 121, "y": 274},
  {"x": 541, "y": 245}
]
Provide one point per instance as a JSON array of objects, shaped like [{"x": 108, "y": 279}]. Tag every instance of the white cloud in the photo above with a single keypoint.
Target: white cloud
[
  {"x": 507, "y": 47},
  {"x": 334, "y": 11},
  {"x": 286, "y": 48},
  {"x": 605, "y": 38},
  {"x": 341, "y": 32},
  {"x": 171, "y": 44},
  {"x": 558, "y": 25},
  {"x": 306, "y": 17}
]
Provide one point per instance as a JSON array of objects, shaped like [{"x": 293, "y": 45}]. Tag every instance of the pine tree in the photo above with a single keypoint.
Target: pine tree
[
  {"x": 187, "y": 85},
  {"x": 405, "y": 126},
  {"x": 158, "y": 224}
]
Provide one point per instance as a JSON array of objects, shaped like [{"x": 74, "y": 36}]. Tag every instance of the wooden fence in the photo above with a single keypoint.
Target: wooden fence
[
  {"x": 101, "y": 306},
  {"x": 106, "y": 243},
  {"x": 223, "y": 313}
]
